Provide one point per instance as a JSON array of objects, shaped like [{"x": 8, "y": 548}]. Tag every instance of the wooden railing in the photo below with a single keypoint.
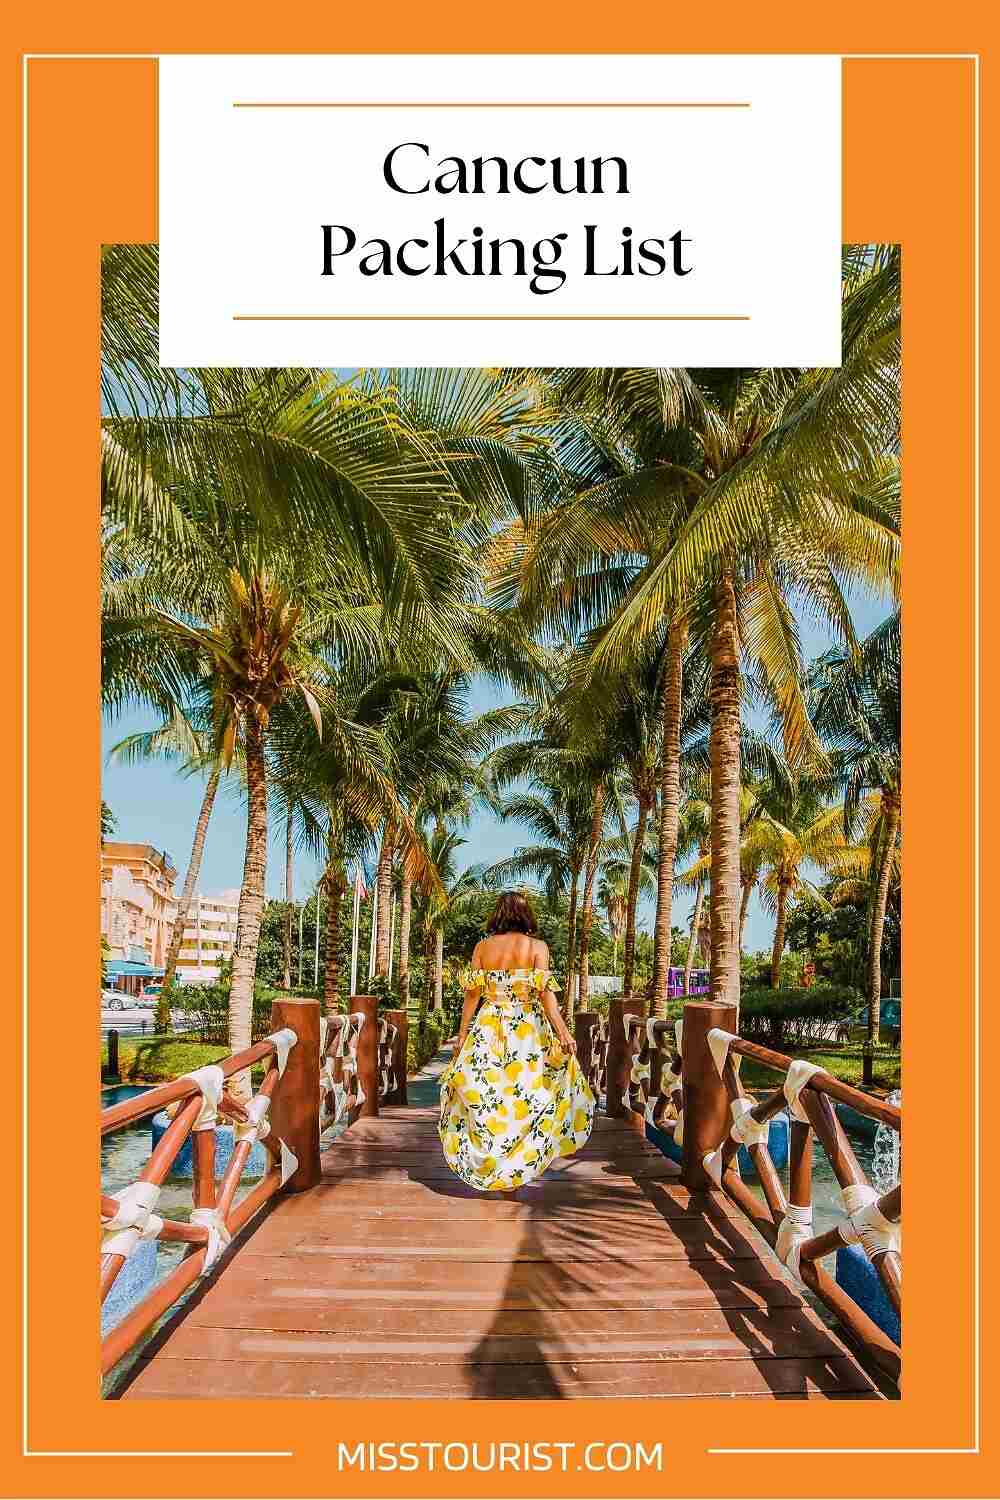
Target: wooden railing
[
  {"x": 318, "y": 1072},
  {"x": 683, "y": 1078}
]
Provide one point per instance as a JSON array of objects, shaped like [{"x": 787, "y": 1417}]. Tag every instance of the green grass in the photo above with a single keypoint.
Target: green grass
[
  {"x": 155, "y": 1059},
  {"x": 845, "y": 1065}
]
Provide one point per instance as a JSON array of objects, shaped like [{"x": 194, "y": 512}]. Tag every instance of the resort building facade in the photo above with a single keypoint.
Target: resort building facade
[
  {"x": 209, "y": 937},
  {"x": 138, "y": 905}
]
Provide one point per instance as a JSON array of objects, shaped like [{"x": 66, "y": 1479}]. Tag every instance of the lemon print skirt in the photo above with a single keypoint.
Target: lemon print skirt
[{"x": 513, "y": 1099}]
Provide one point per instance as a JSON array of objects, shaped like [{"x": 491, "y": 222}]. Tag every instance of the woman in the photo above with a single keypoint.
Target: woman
[{"x": 514, "y": 1098}]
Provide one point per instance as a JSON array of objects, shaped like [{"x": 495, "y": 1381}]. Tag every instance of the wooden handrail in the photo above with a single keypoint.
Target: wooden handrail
[
  {"x": 825, "y": 1083},
  {"x": 283, "y": 1114},
  {"x": 148, "y": 1103},
  {"x": 711, "y": 1118}
]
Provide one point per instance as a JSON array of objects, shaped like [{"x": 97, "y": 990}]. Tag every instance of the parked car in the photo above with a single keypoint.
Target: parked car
[
  {"x": 114, "y": 1000},
  {"x": 149, "y": 996}
]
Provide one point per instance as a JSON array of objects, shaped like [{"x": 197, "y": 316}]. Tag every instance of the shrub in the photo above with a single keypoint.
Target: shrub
[
  {"x": 423, "y": 1041},
  {"x": 206, "y": 1010},
  {"x": 793, "y": 1017}
]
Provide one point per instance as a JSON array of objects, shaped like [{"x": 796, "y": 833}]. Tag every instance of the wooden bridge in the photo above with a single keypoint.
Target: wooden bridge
[{"x": 375, "y": 1272}]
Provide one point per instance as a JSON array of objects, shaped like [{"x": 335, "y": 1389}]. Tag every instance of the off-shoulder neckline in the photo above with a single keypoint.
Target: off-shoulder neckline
[{"x": 478, "y": 969}]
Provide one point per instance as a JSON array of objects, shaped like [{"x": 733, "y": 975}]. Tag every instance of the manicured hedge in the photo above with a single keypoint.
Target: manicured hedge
[{"x": 786, "y": 1017}]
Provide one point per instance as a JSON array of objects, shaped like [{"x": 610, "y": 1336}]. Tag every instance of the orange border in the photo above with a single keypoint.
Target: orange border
[{"x": 908, "y": 176}]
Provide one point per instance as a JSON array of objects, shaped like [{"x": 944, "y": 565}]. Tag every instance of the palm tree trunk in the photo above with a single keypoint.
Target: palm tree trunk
[
  {"x": 632, "y": 900},
  {"x": 405, "y": 919},
  {"x": 251, "y": 904},
  {"x": 335, "y": 881},
  {"x": 778, "y": 946},
  {"x": 890, "y": 826},
  {"x": 383, "y": 896},
  {"x": 289, "y": 881},
  {"x": 571, "y": 937},
  {"x": 748, "y": 886},
  {"x": 724, "y": 754},
  {"x": 587, "y": 910},
  {"x": 184, "y": 905},
  {"x": 670, "y": 786},
  {"x": 699, "y": 901},
  {"x": 438, "y": 968}
]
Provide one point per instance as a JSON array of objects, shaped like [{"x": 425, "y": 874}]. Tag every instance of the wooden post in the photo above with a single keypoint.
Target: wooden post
[
  {"x": 294, "y": 1113},
  {"x": 113, "y": 1055},
  {"x": 399, "y": 1019},
  {"x": 706, "y": 1102},
  {"x": 619, "y": 1052},
  {"x": 582, "y": 1023},
  {"x": 367, "y": 1052},
  {"x": 203, "y": 1167}
]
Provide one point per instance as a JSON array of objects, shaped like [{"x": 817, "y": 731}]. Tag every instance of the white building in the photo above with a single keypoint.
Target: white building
[{"x": 209, "y": 937}]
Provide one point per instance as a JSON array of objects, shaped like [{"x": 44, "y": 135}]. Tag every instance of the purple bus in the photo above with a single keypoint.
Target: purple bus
[{"x": 675, "y": 983}]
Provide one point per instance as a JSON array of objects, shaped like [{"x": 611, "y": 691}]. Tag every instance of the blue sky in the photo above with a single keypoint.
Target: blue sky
[{"x": 153, "y": 804}]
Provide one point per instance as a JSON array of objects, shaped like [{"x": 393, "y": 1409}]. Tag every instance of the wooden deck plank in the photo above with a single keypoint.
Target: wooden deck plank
[
  {"x": 164, "y": 1376},
  {"x": 292, "y": 1332},
  {"x": 526, "y": 1284},
  {"x": 393, "y": 1279}
]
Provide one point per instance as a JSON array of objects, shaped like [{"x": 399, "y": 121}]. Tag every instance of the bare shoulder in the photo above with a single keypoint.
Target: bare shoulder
[
  {"x": 476, "y": 959},
  {"x": 540, "y": 954}
]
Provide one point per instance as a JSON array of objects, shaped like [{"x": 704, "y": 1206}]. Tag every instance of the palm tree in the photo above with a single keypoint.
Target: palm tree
[
  {"x": 438, "y": 748},
  {"x": 274, "y": 518},
  {"x": 289, "y": 895},
  {"x": 451, "y": 892},
  {"x": 695, "y": 836},
  {"x": 793, "y": 825},
  {"x": 616, "y": 888},
  {"x": 740, "y": 489},
  {"x": 857, "y": 710},
  {"x": 176, "y": 738}
]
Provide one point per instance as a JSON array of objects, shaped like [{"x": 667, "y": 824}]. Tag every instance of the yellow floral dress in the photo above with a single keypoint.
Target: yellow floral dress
[{"x": 513, "y": 1099}]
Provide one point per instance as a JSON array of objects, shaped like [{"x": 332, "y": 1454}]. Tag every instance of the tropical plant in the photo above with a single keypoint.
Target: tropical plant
[{"x": 857, "y": 708}]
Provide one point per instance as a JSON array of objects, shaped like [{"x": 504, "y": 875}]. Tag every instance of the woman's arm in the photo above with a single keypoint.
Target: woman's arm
[
  {"x": 550, "y": 1005},
  {"x": 468, "y": 1011}
]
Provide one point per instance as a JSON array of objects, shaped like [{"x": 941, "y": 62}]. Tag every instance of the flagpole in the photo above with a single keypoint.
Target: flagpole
[
  {"x": 355, "y": 933},
  {"x": 319, "y": 893},
  {"x": 392, "y": 935},
  {"x": 301, "y": 910},
  {"x": 371, "y": 950}
]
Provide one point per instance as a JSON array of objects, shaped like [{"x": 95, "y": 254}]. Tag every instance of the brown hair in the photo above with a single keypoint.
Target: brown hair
[{"x": 512, "y": 913}]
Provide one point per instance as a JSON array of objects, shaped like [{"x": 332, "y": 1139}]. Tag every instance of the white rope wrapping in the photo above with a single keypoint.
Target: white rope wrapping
[
  {"x": 719, "y": 1043},
  {"x": 793, "y": 1231},
  {"x": 745, "y": 1128},
  {"x": 211, "y": 1082},
  {"x": 679, "y": 1129},
  {"x": 712, "y": 1162},
  {"x": 324, "y": 1026},
  {"x": 284, "y": 1040},
  {"x": 679, "y": 1036},
  {"x": 866, "y": 1224},
  {"x": 796, "y": 1078},
  {"x": 132, "y": 1221},
  {"x": 218, "y": 1234},
  {"x": 289, "y": 1162},
  {"x": 256, "y": 1126},
  {"x": 349, "y": 1041}
]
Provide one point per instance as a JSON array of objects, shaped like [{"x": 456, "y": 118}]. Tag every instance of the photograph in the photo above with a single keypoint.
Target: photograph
[{"x": 500, "y": 844}]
